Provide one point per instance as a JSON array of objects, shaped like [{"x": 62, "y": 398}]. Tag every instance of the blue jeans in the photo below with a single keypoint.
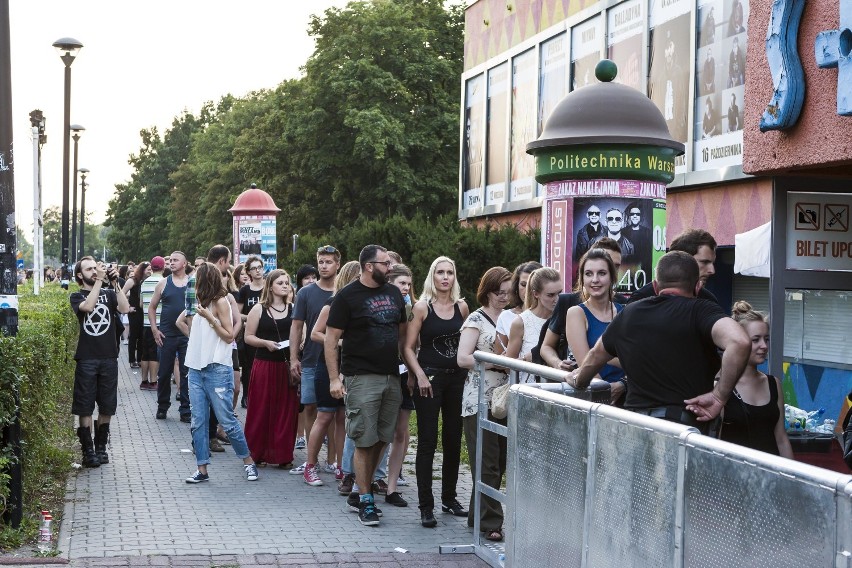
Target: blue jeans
[
  {"x": 173, "y": 346},
  {"x": 213, "y": 387},
  {"x": 349, "y": 457}
]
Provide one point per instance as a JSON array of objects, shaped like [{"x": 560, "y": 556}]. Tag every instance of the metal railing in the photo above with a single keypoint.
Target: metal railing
[{"x": 591, "y": 485}]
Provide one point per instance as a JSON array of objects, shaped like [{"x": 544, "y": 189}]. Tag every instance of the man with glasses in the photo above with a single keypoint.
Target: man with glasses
[
  {"x": 247, "y": 297},
  {"x": 640, "y": 236},
  {"x": 614, "y": 226},
  {"x": 588, "y": 233},
  {"x": 369, "y": 315},
  {"x": 309, "y": 302}
]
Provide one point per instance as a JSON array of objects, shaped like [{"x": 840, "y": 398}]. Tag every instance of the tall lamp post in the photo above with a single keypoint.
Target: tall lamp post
[
  {"x": 68, "y": 49},
  {"x": 76, "y": 129},
  {"x": 83, "y": 172}
]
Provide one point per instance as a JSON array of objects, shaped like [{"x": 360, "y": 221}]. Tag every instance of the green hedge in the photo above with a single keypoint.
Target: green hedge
[
  {"x": 39, "y": 362},
  {"x": 421, "y": 240}
]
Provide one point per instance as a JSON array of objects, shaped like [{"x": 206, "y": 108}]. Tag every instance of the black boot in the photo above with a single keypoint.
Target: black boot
[
  {"x": 89, "y": 457},
  {"x": 101, "y": 440}
]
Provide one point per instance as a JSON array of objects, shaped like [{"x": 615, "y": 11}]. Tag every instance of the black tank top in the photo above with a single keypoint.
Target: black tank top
[
  {"x": 274, "y": 330},
  {"x": 439, "y": 340},
  {"x": 752, "y": 426}
]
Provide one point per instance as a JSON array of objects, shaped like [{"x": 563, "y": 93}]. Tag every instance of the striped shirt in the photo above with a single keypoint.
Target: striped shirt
[{"x": 148, "y": 286}]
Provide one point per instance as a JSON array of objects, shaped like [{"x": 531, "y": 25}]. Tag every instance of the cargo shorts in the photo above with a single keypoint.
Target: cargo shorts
[{"x": 372, "y": 407}]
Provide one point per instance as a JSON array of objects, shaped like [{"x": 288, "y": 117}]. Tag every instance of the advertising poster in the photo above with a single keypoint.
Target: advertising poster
[
  {"x": 630, "y": 212},
  {"x": 626, "y": 23},
  {"x": 522, "y": 184},
  {"x": 818, "y": 236},
  {"x": 668, "y": 67},
  {"x": 498, "y": 100},
  {"x": 255, "y": 236},
  {"x": 474, "y": 144},
  {"x": 720, "y": 83},
  {"x": 553, "y": 81},
  {"x": 585, "y": 52}
]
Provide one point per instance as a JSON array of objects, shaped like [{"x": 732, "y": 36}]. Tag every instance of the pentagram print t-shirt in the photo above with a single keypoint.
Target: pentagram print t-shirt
[
  {"x": 97, "y": 328},
  {"x": 369, "y": 318}
]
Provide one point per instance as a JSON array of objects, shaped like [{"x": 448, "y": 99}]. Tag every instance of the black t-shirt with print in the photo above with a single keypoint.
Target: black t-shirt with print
[
  {"x": 248, "y": 298},
  {"x": 98, "y": 327},
  {"x": 369, "y": 318},
  {"x": 665, "y": 346}
]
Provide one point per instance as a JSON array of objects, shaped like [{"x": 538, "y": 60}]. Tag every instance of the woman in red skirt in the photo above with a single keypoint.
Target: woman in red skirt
[{"x": 272, "y": 415}]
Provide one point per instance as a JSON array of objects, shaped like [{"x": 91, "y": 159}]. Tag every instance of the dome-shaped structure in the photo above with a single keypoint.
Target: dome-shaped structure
[
  {"x": 254, "y": 201},
  {"x": 605, "y": 113}
]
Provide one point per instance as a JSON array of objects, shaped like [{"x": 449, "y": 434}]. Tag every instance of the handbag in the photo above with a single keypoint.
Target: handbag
[{"x": 500, "y": 401}]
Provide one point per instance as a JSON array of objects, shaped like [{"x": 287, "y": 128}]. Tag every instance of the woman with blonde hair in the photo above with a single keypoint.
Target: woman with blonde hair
[
  {"x": 754, "y": 415},
  {"x": 330, "y": 410},
  {"x": 543, "y": 289},
  {"x": 271, "y": 421},
  {"x": 437, "y": 382}
]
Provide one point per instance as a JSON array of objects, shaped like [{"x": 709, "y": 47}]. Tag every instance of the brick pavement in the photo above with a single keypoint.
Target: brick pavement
[{"x": 138, "y": 511}]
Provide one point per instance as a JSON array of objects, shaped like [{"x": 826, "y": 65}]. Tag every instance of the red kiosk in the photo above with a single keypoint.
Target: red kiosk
[{"x": 254, "y": 214}]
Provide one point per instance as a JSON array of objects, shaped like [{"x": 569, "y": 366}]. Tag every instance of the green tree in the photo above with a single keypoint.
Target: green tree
[{"x": 24, "y": 245}]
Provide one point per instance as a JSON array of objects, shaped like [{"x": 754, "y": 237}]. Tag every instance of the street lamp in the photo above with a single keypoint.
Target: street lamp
[
  {"x": 83, "y": 172},
  {"x": 68, "y": 49},
  {"x": 76, "y": 129}
]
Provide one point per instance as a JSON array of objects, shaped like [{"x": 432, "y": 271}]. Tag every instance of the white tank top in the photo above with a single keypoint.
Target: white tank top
[{"x": 205, "y": 346}]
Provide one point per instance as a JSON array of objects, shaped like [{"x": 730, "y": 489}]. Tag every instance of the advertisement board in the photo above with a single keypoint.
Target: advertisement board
[
  {"x": 818, "y": 236},
  {"x": 255, "y": 236},
  {"x": 498, "y": 101},
  {"x": 522, "y": 184},
  {"x": 585, "y": 52},
  {"x": 474, "y": 143},
  {"x": 625, "y": 24}
]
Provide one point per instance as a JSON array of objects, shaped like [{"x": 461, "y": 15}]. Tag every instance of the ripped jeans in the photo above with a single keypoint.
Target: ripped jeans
[{"x": 213, "y": 387}]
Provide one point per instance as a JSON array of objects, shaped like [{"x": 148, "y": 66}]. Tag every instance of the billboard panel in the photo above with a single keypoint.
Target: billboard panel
[
  {"x": 522, "y": 185},
  {"x": 498, "y": 100}
]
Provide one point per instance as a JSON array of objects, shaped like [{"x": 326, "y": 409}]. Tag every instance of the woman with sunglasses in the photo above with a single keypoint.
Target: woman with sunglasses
[{"x": 479, "y": 333}]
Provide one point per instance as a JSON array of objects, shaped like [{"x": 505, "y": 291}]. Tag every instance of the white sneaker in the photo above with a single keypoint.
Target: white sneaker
[
  {"x": 299, "y": 469},
  {"x": 402, "y": 482},
  {"x": 301, "y": 443},
  {"x": 330, "y": 467},
  {"x": 251, "y": 472}
]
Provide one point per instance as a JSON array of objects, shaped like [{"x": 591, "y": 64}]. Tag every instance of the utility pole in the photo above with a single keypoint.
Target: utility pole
[
  {"x": 39, "y": 138},
  {"x": 8, "y": 268}
]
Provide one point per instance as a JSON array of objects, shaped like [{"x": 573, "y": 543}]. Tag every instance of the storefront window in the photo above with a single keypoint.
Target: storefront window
[{"x": 817, "y": 326}]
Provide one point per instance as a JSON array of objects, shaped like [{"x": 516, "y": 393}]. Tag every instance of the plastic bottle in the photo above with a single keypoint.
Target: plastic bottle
[
  {"x": 45, "y": 533},
  {"x": 814, "y": 419}
]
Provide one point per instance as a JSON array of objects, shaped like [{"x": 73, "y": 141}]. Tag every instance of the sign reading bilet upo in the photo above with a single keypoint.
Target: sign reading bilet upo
[{"x": 818, "y": 236}]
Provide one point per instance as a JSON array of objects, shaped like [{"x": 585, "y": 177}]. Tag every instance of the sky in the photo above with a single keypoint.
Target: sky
[{"x": 142, "y": 64}]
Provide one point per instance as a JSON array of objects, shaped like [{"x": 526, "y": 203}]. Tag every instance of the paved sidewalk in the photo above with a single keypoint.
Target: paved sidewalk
[{"x": 138, "y": 511}]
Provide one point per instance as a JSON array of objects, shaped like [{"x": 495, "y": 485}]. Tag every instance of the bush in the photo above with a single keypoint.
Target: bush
[
  {"x": 419, "y": 241},
  {"x": 38, "y": 364}
]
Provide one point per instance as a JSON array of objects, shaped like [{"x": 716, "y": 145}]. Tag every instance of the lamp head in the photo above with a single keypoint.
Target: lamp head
[{"x": 68, "y": 47}]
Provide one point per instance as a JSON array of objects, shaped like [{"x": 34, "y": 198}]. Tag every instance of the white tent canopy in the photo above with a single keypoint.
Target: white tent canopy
[{"x": 752, "y": 251}]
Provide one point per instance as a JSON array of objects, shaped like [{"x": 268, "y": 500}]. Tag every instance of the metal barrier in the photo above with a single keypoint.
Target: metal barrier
[{"x": 591, "y": 485}]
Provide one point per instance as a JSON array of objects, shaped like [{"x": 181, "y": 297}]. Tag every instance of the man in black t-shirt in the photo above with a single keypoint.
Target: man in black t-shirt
[
  {"x": 369, "y": 314},
  {"x": 667, "y": 346},
  {"x": 97, "y": 306}
]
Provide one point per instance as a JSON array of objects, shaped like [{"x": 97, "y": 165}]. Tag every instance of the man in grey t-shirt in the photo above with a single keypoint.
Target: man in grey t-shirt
[{"x": 309, "y": 302}]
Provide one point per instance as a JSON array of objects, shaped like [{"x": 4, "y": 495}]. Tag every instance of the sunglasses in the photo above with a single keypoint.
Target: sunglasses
[
  {"x": 635, "y": 214},
  {"x": 595, "y": 213},
  {"x": 613, "y": 218},
  {"x": 327, "y": 249}
]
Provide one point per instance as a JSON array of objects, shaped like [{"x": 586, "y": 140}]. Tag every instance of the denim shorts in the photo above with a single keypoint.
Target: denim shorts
[
  {"x": 322, "y": 385},
  {"x": 309, "y": 389}
]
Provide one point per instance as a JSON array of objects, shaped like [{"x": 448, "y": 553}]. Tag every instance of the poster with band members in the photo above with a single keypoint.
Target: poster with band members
[
  {"x": 585, "y": 52},
  {"x": 668, "y": 67},
  {"x": 255, "y": 236},
  {"x": 720, "y": 83},
  {"x": 522, "y": 184},
  {"x": 626, "y": 24},
  {"x": 498, "y": 100},
  {"x": 553, "y": 81},
  {"x": 578, "y": 213},
  {"x": 472, "y": 152}
]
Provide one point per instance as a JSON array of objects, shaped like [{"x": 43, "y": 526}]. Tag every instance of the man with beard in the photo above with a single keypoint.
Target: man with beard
[
  {"x": 97, "y": 306},
  {"x": 369, "y": 314}
]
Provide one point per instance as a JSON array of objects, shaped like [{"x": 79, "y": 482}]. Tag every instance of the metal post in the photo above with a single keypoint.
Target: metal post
[
  {"x": 66, "y": 139},
  {"x": 82, "y": 212},
  {"x": 37, "y": 270},
  {"x": 8, "y": 270},
  {"x": 73, "y": 254}
]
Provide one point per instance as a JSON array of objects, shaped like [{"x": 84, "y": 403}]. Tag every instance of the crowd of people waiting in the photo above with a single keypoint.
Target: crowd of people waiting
[{"x": 344, "y": 355}]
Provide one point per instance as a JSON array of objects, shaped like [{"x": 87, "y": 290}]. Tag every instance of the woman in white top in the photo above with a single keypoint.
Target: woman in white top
[
  {"x": 517, "y": 293},
  {"x": 543, "y": 289},
  {"x": 211, "y": 377}
]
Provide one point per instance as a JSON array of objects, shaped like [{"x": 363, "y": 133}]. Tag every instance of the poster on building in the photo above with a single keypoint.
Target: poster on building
[
  {"x": 720, "y": 83},
  {"x": 626, "y": 24},
  {"x": 818, "y": 236},
  {"x": 474, "y": 143},
  {"x": 553, "y": 81},
  {"x": 255, "y": 236},
  {"x": 498, "y": 101},
  {"x": 669, "y": 65},
  {"x": 585, "y": 52},
  {"x": 578, "y": 213},
  {"x": 522, "y": 184}
]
